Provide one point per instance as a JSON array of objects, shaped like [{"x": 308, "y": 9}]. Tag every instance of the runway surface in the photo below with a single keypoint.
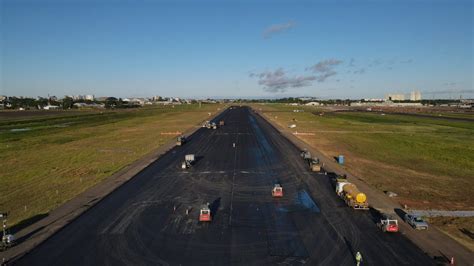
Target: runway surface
[{"x": 137, "y": 224}]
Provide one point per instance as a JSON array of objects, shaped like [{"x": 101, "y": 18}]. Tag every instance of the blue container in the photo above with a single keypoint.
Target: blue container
[{"x": 340, "y": 159}]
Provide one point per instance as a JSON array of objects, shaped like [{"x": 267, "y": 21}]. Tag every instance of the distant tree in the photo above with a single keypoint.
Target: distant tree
[
  {"x": 68, "y": 103},
  {"x": 111, "y": 102}
]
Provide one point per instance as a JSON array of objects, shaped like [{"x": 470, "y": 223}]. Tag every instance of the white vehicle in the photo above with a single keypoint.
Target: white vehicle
[
  {"x": 188, "y": 161},
  {"x": 292, "y": 126}
]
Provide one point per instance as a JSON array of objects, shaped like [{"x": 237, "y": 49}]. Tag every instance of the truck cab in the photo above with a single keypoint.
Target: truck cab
[
  {"x": 277, "y": 191},
  {"x": 205, "y": 214},
  {"x": 388, "y": 224}
]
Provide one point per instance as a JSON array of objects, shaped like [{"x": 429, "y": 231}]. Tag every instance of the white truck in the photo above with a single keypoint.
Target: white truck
[{"x": 188, "y": 161}]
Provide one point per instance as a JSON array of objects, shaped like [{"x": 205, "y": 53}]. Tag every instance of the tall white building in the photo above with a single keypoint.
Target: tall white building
[
  {"x": 415, "y": 96},
  {"x": 89, "y": 97}
]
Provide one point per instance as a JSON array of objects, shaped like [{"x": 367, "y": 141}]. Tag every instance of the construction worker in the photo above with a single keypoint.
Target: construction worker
[{"x": 358, "y": 258}]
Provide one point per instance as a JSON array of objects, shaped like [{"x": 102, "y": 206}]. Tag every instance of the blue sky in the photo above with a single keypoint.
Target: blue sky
[{"x": 328, "y": 49}]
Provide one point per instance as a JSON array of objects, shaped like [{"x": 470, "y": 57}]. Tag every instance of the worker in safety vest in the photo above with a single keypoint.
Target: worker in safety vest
[{"x": 358, "y": 258}]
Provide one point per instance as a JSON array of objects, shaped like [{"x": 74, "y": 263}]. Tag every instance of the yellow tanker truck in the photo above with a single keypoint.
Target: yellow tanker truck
[{"x": 351, "y": 195}]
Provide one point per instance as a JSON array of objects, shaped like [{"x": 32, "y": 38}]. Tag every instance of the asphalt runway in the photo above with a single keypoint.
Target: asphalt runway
[{"x": 137, "y": 224}]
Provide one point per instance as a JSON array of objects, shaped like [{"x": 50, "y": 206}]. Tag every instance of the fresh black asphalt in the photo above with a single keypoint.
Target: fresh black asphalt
[{"x": 144, "y": 222}]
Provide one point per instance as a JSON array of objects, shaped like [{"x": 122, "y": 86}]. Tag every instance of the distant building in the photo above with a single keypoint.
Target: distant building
[
  {"x": 395, "y": 97},
  {"x": 50, "y": 107},
  {"x": 415, "y": 96},
  {"x": 373, "y": 100},
  {"x": 89, "y": 97},
  {"x": 313, "y": 104},
  {"x": 89, "y": 105}
]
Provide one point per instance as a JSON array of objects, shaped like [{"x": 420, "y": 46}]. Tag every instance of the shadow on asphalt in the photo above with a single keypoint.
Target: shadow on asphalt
[
  {"x": 375, "y": 215},
  {"x": 351, "y": 248},
  {"x": 441, "y": 260},
  {"x": 197, "y": 158},
  {"x": 215, "y": 206}
]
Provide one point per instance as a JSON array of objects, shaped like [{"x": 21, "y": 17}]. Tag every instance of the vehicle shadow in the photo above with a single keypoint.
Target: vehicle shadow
[
  {"x": 351, "y": 248},
  {"x": 197, "y": 158},
  {"x": 401, "y": 213},
  {"x": 215, "y": 206},
  {"x": 467, "y": 232},
  {"x": 375, "y": 215},
  {"x": 27, "y": 222}
]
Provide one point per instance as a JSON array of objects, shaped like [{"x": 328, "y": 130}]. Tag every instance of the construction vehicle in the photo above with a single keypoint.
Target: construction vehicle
[
  {"x": 351, "y": 195},
  {"x": 277, "y": 191},
  {"x": 315, "y": 165},
  {"x": 388, "y": 224},
  {"x": 180, "y": 140},
  {"x": 205, "y": 213},
  {"x": 306, "y": 155},
  {"x": 221, "y": 123},
  {"x": 7, "y": 240},
  {"x": 188, "y": 161},
  {"x": 207, "y": 124}
]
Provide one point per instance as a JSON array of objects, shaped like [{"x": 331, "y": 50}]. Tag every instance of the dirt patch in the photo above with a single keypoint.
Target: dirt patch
[{"x": 460, "y": 228}]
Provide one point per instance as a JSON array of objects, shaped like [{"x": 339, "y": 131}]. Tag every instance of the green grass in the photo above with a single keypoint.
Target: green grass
[
  {"x": 61, "y": 156},
  {"x": 428, "y": 161}
]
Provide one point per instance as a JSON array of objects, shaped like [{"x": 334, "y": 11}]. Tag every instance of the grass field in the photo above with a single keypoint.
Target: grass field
[
  {"x": 48, "y": 159},
  {"x": 429, "y": 162}
]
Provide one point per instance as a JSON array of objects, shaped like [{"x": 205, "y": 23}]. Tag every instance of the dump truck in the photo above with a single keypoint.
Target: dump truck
[
  {"x": 277, "y": 191},
  {"x": 315, "y": 165},
  {"x": 205, "y": 213},
  {"x": 388, "y": 224},
  {"x": 351, "y": 195},
  {"x": 221, "y": 123},
  {"x": 180, "y": 140},
  {"x": 188, "y": 161}
]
